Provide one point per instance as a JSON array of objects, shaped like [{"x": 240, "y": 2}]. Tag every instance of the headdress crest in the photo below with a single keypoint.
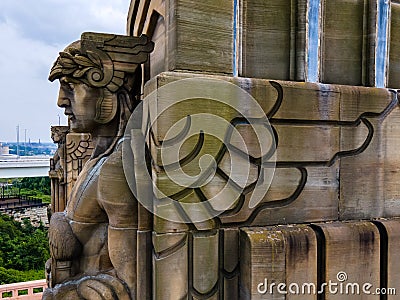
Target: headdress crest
[{"x": 101, "y": 61}]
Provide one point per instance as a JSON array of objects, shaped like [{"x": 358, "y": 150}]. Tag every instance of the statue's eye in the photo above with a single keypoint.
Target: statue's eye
[{"x": 67, "y": 85}]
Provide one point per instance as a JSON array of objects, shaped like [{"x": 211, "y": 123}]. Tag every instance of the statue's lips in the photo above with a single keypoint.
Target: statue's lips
[{"x": 70, "y": 115}]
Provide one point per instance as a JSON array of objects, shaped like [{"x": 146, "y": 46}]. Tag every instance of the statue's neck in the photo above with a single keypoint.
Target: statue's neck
[
  {"x": 101, "y": 144},
  {"x": 103, "y": 137}
]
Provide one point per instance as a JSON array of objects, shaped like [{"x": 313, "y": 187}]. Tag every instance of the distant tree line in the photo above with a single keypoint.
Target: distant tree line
[
  {"x": 37, "y": 187},
  {"x": 41, "y": 184}
]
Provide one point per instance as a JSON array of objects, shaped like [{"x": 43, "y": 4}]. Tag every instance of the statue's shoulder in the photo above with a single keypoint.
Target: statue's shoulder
[
  {"x": 111, "y": 175},
  {"x": 112, "y": 165},
  {"x": 112, "y": 187}
]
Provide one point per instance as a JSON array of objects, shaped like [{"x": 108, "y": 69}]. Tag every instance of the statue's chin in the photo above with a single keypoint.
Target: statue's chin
[{"x": 75, "y": 128}]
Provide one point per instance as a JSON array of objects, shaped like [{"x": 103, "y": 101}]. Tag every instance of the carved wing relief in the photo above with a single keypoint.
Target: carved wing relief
[
  {"x": 305, "y": 154},
  {"x": 78, "y": 151}
]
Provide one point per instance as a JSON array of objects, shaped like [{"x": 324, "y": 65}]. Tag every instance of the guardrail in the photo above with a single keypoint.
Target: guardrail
[
  {"x": 21, "y": 204},
  {"x": 8, "y": 196},
  {"x": 31, "y": 290},
  {"x": 21, "y": 201}
]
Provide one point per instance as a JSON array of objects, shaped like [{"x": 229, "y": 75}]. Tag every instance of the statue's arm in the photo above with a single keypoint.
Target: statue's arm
[{"x": 121, "y": 207}]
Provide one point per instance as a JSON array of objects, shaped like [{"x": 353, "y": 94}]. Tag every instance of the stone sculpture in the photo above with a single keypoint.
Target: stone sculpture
[
  {"x": 57, "y": 168},
  {"x": 93, "y": 242},
  {"x": 73, "y": 151}
]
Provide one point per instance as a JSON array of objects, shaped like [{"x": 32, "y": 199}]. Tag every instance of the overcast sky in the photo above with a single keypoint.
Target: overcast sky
[{"x": 32, "y": 32}]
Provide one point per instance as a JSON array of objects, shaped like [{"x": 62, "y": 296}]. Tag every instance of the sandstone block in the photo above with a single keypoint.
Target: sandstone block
[
  {"x": 273, "y": 39},
  {"x": 350, "y": 259},
  {"x": 188, "y": 35},
  {"x": 394, "y": 42},
  {"x": 390, "y": 239},
  {"x": 274, "y": 260}
]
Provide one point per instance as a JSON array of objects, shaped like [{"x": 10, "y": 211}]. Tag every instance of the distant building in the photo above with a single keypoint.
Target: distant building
[{"x": 4, "y": 150}]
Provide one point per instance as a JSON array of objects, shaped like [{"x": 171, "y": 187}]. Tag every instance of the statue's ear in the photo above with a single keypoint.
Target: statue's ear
[{"x": 106, "y": 107}]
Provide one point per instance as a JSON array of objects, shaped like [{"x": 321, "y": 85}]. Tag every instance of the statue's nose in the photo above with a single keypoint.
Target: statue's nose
[{"x": 63, "y": 99}]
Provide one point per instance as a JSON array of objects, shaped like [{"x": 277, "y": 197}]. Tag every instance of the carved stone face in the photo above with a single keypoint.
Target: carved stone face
[
  {"x": 79, "y": 101},
  {"x": 55, "y": 136}
]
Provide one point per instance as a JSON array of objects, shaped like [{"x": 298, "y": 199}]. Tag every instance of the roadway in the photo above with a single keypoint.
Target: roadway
[{"x": 24, "y": 166}]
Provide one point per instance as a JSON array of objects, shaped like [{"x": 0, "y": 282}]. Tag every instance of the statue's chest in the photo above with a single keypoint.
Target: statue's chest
[{"x": 83, "y": 204}]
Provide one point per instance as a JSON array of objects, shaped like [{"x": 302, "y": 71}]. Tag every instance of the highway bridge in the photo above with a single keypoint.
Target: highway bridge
[{"x": 24, "y": 166}]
